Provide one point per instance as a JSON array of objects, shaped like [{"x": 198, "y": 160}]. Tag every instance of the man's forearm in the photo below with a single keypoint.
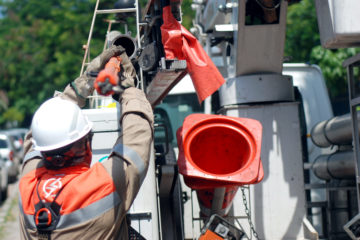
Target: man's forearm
[
  {"x": 70, "y": 94},
  {"x": 137, "y": 122}
]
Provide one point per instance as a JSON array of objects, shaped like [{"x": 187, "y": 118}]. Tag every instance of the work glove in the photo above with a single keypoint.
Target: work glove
[{"x": 84, "y": 85}]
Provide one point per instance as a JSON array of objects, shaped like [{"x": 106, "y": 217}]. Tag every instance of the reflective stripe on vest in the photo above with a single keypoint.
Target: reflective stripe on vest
[
  {"x": 31, "y": 155},
  {"x": 123, "y": 150},
  {"x": 81, "y": 215}
]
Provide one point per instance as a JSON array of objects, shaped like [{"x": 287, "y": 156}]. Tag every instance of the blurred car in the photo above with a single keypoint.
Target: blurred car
[
  {"x": 20, "y": 131},
  {"x": 9, "y": 152},
  {"x": 4, "y": 183},
  {"x": 18, "y": 136}
]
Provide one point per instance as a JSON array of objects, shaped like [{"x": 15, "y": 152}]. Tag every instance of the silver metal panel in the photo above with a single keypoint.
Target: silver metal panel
[
  {"x": 338, "y": 22},
  {"x": 106, "y": 130},
  {"x": 191, "y": 210},
  {"x": 146, "y": 201},
  {"x": 256, "y": 88},
  {"x": 213, "y": 16},
  {"x": 311, "y": 84},
  {"x": 278, "y": 202},
  {"x": 316, "y": 103},
  {"x": 260, "y": 48},
  {"x": 104, "y": 119}
]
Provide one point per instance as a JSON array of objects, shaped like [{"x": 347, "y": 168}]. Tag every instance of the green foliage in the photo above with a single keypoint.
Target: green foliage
[
  {"x": 303, "y": 45},
  {"x": 188, "y": 14},
  {"x": 330, "y": 62},
  {"x": 11, "y": 115},
  {"x": 302, "y": 32},
  {"x": 41, "y": 48}
]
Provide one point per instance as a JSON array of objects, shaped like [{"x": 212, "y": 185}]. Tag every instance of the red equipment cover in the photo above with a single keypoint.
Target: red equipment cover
[
  {"x": 219, "y": 151},
  {"x": 181, "y": 44}
]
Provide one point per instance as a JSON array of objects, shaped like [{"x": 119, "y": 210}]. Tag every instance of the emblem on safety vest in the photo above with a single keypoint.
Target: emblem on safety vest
[{"x": 51, "y": 187}]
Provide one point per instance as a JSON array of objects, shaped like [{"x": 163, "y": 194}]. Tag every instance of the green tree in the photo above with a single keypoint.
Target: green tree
[
  {"x": 330, "y": 62},
  {"x": 302, "y": 32},
  {"x": 41, "y": 50},
  {"x": 303, "y": 45}
]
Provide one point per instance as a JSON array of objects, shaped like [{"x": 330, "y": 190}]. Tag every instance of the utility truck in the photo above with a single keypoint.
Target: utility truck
[{"x": 249, "y": 162}]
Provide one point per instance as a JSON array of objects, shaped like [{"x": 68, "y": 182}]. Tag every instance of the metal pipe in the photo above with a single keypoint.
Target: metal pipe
[
  {"x": 339, "y": 165},
  {"x": 339, "y": 212},
  {"x": 335, "y": 131},
  {"x": 124, "y": 40}
]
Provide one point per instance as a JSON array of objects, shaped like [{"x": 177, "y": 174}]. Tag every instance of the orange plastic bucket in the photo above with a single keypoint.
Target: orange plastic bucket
[
  {"x": 219, "y": 152},
  {"x": 218, "y": 148}
]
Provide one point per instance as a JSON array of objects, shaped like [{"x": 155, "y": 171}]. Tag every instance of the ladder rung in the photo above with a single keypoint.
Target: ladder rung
[{"x": 124, "y": 10}]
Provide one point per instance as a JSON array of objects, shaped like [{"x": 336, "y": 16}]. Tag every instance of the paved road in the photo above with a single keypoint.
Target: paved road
[{"x": 9, "y": 212}]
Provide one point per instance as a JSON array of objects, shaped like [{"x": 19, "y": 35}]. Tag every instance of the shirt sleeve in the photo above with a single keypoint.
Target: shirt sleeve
[
  {"x": 32, "y": 158},
  {"x": 129, "y": 160}
]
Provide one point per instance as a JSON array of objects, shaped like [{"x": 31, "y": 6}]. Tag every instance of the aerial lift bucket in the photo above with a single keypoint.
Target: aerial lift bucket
[{"x": 217, "y": 154}]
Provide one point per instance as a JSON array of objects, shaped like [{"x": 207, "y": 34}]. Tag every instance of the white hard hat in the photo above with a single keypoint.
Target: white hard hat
[{"x": 58, "y": 123}]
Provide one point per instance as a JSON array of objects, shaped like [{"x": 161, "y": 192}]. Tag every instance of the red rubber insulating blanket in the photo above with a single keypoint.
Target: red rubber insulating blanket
[{"x": 181, "y": 44}]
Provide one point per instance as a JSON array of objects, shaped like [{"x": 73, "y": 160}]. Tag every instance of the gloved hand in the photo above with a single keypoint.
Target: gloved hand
[
  {"x": 84, "y": 85},
  {"x": 127, "y": 72}
]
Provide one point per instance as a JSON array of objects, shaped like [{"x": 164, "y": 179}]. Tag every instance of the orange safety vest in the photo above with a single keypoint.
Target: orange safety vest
[{"x": 81, "y": 193}]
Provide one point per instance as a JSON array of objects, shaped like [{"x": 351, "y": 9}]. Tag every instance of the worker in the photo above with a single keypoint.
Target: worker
[{"x": 63, "y": 195}]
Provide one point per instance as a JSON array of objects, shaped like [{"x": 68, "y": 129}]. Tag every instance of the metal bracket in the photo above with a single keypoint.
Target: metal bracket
[
  {"x": 352, "y": 228},
  {"x": 139, "y": 216},
  {"x": 171, "y": 72}
]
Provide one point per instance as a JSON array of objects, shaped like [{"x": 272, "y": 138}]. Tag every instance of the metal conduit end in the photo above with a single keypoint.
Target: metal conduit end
[
  {"x": 338, "y": 165},
  {"x": 335, "y": 131}
]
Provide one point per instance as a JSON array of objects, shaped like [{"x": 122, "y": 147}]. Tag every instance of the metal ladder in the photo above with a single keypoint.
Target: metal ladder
[
  {"x": 86, "y": 59},
  {"x": 87, "y": 47}
]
